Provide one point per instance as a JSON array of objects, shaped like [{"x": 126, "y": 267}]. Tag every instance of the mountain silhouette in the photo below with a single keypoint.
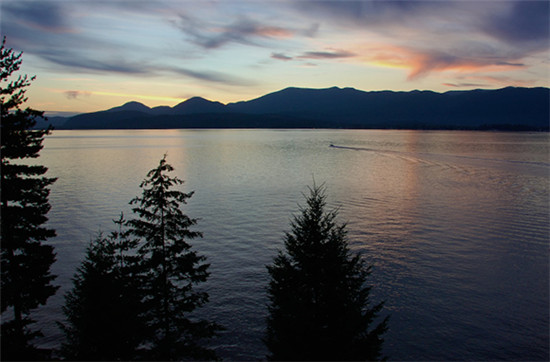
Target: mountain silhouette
[
  {"x": 198, "y": 105},
  {"x": 506, "y": 108},
  {"x": 132, "y": 107}
]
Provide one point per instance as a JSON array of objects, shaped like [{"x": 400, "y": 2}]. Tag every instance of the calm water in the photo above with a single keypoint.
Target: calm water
[{"x": 456, "y": 225}]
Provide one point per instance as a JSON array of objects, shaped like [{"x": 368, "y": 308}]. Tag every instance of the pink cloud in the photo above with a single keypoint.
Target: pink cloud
[{"x": 421, "y": 63}]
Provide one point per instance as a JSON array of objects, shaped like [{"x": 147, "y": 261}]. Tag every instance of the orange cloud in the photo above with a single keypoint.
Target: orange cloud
[
  {"x": 422, "y": 62},
  {"x": 500, "y": 81},
  {"x": 273, "y": 32}
]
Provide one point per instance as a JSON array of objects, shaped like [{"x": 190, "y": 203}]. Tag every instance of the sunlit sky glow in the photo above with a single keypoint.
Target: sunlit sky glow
[{"x": 93, "y": 55}]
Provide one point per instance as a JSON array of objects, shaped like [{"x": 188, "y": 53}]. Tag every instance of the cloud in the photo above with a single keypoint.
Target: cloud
[
  {"x": 424, "y": 63},
  {"x": 483, "y": 80},
  {"x": 371, "y": 13},
  {"x": 42, "y": 29},
  {"x": 281, "y": 56},
  {"x": 86, "y": 64},
  {"x": 123, "y": 67},
  {"x": 319, "y": 55},
  {"x": 78, "y": 52},
  {"x": 46, "y": 16},
  {"x": 310, "y": 32},
  {"x": 526, "y": 23},
  {"x": 248, "y": 27},
  {"x": 74, "y": 94},
  {"x": 421, "y": 62},
  {"x": 243, "y": 31},
  {"x": 437, "y": 36},
  {"x": 211, "y": 76},
  {"x": 465, "y": 85},
  {"x": 327, "y": 55},
  {"x": 420, "y": 37},
  {"x": 504, "y": 81},
  {"x": 212, "y": 34}
]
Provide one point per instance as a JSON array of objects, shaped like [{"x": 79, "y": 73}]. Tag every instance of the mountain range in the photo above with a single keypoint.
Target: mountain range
[{"x": 507, "y": 108}]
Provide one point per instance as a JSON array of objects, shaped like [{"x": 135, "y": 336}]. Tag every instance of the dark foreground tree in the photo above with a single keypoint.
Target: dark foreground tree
[
  {"x": 170, "y": 269},
  {"x": 319, "y": 300},
  {"x": 25, "y": 261},
  {"x": 104, "y": 306}
]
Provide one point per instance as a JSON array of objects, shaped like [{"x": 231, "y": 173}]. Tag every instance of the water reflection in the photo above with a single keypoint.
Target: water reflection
[{"x": 456, "y": 224}]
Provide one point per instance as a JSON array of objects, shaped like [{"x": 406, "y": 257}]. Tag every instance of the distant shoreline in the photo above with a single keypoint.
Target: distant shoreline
[
  {"x": 313, "y": 129},
  {"x": 506, "y": 109}
]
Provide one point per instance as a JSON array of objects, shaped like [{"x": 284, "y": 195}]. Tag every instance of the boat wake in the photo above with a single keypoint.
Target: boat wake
[{"x": 441, "y": 156}]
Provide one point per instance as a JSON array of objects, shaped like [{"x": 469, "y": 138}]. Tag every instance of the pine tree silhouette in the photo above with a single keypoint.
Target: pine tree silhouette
[
  {"x": 319, "y": 301},
  {"x": 170, "y": 269},
  {"x": 25, "y": 260},
  {"x": 104, "y": 306}
]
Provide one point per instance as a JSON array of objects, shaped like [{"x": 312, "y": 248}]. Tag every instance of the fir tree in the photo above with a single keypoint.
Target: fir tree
[
  {"x": 25, "y": 260},
  {"x": 103, "y": 308},
  {"x": 319, "y": 301},
  {"x": 170, "y": 269}
]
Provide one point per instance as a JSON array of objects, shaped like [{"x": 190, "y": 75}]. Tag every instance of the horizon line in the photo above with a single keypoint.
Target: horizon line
[{"x": 68, "y": 114}]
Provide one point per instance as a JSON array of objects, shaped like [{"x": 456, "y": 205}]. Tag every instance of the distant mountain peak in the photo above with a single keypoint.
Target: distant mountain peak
[
  {"x": 131, "y": 106},
  {"x": 197, "y": 99},
  {"x": 134, "y": 104},
  {"x": 198, "y": 105}
]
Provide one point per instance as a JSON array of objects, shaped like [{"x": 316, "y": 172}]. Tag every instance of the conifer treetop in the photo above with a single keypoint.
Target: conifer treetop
[
  {"x": 170, "y": 268},
  {"x": 319, "y": 297}
]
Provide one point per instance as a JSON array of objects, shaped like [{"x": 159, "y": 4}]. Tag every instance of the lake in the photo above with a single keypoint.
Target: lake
[{"x": 455, "y": 224}]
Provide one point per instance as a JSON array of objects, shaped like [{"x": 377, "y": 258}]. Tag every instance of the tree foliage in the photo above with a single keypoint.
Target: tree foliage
[
  {"x": 134, "y": 294},
  {"x": 104, "y": 306},
  {"x": 25, "y": 260},
  {"x": 319, "y": 301},
  {"x": 170, "y": 270}
]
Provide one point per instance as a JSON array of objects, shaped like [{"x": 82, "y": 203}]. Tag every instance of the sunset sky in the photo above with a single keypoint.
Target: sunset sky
[{"x": 94, "y": 55}]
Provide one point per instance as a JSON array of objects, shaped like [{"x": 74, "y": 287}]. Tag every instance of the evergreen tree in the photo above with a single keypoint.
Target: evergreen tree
[
  {"x": 319, "y": 303},
  {"x": 103, "y": 307},
  {"x": 25, "y": 261},
  {"x": 170, "y": 269}
]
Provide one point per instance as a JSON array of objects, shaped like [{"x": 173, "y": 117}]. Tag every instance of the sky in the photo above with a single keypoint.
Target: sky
[{"x": 94, "y": 55}]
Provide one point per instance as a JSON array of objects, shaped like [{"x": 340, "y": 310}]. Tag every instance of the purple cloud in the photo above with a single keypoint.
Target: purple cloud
[
  {"x": 442, "y": 35},
  {"x": 211, "y": 76},
  {"x": 281, "y": 56},
  {"x": 243, "y": 31},
  {"x": 74, "y": 94},
  {"x": 327, "y": 55},
  {"x": 526, "y": 23},
  {"x": 46, "y": 16},
  {"x": 466, "y": 85}
]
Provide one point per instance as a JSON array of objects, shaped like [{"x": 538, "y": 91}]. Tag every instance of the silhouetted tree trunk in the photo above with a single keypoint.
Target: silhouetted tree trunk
[
  {"x": 170, "y": 269},
  {"x": 319, "y": 300},
  {"x": 25, "y": 261}
]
